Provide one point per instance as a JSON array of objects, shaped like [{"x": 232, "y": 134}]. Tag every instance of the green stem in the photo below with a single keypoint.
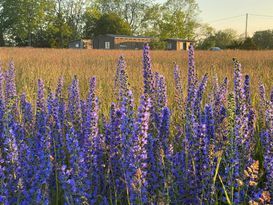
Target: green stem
[{"x": 224, "y": 188}]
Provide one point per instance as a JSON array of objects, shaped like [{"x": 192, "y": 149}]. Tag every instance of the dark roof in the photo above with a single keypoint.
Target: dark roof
[
  {"x": 82, "y": 39},
  {"x": 125, "y": 36},
  {"x": 178, "y": 39}
]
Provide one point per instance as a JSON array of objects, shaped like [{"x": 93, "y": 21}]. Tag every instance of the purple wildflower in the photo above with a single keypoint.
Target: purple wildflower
[
  {"x": 11, "y": 164},
  {"x": 41, "y": 149},
  {"x": 247, "y": 90},
  {"x": 27, "y": 113},
  {"x": 10, "y": 82},
  {"x": 178, "y": 85},
  {"x": 268, "y": 145},
  {"x": 74, "y": 114},
  {"x": 115, "y": 152},
  {"x": 238, "y": 86},
  {"x": 139, "y": 181},
  {"x": 199, "y": 96},
  {"x": 271, "y": 95},
  {"x": 40, "y": 111},
  {"x": 73, "y": 176},
  {"x": 147, "y": 70},
  {"x": 121, "y": 80},
  {"x": 90, "y": 125},
  {"x": 2, "y": 104},
  {"x": 179, "y": 100},
  {"x": 11, "y": 94}
]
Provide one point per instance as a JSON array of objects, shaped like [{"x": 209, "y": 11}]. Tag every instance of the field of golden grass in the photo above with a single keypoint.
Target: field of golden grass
[{"x": 49, "y": 64}]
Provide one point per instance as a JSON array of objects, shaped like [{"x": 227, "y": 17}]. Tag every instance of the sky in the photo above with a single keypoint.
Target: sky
[{"x": 217, "y": 13}]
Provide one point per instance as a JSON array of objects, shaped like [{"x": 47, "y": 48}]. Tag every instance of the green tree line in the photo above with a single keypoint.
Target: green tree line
[
  {"x": 53, "y": 23},
  {"x": 229, "y": 39}
]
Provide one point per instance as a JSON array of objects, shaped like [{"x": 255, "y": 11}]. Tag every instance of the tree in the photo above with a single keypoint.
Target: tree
[
  {"x": 32, "y": 15},
  {"x": 175, "y": 18},
  {"x": 132, "y": 11},
  {"x": 111, "y": 24},
  {"x": 91, "y": 16},
  {"x": 263, "y": 39},
  {"x": 20, "y": 19},
  {"x": 8, "y": 18},
  {"x": 222, "y": 39},
  {"x": 203, "y": 32},
  {"x": 248, "y": 44}
]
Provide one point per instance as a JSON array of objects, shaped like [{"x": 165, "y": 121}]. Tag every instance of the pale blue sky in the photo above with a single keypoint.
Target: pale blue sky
[{"x": 214, "y": 10}]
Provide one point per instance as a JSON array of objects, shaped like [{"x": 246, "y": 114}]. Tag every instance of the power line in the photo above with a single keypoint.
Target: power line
[
  {"x": 233, "y": 17},
  {"x": 224, "y": 19},
  {"x": 261, "y": 15}
]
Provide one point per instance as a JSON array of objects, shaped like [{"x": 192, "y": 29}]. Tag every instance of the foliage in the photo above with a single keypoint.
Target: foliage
[
  {"x": 111, "y": 24},
  {"x": 173, "y": 19},
  {"x": 263, "y": 39},
  {"x": 222, "y": 39},
  {"x": 248, "y": 44},
  {"x": 91, "y": 16},
  {"x": 132, "y": 11},
  {"x": 158, "y": 44},
  {"x": 53, "y": 23}
]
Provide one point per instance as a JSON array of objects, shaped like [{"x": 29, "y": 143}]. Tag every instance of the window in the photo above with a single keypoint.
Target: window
[
  {"x": 185, "y": 46},
  {"x": 169, "y": 46},
  {"x": 107, "y": 45},
  {"x": 122, "y": 46}
]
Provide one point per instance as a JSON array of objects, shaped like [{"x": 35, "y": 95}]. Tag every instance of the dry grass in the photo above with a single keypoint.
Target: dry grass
[{"x": 49, "y": 64}]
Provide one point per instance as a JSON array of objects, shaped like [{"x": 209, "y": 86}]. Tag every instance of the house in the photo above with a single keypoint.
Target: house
[
  {"x": 80, "y": 44},
  {"x": 111, "y": 41},
  {"x": 178, "y": 44}
]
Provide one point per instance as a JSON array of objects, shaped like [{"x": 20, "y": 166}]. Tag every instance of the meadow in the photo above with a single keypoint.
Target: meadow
[
  {"x": 136, "y": 127},
  {"x": 50, "y": 64}
]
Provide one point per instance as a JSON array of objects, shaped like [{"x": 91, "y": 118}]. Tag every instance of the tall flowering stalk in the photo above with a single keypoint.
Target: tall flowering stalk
[
  {"x": 10, "y": 163},
  {"x": 42, "y": 147},
  {"x": 190, "y": 94},
  {"x": 271, "y": 95},
  {"x": 10, "y": 92},
  {"x": 158, "y": 100},
  {"x": 147, "y": 70},
  {"x": 127, "y": 128},
  {"x": 178, "y": 115},
  {"x": 74, "y": 113},
  {"x": 115, "y": 153},
  {"x": 121, "y": 80},
  {"x": 10, "y": 82},
  {"x": 2, "y": 105},
  {"x": 220, "y": 114},
  {"x": 268, "y": 151},
  {"x": 73, "y": 175},
  {"x": 139, "y": 180},
  {"x": 159, "y": 156},
  {"x": 198, "y": 97}
]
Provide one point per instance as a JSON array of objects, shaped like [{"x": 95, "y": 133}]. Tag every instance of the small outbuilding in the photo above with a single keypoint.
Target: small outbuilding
[
  {"x": 178, "y": 44},
  {"x": 80, "y": 44},
  {"x": 111, "y": 41}
]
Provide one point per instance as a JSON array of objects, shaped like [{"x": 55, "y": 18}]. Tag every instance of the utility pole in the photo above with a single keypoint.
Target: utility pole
[{"x": 246, "y": 25}]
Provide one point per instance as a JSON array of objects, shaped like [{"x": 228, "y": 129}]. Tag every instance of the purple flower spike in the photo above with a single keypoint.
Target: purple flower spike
[
  {"x": 198, "y": 97},
  {"x": 247, "y": 90},
  {"x": 271, "y": 95},
  {"x": 74, "y": 108},
  {"x": 10, "y": 82},
  {"x": 140, "y": 138},
  {"x": 147, "y": 70},
  {"x": 178, "y": 87}
]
